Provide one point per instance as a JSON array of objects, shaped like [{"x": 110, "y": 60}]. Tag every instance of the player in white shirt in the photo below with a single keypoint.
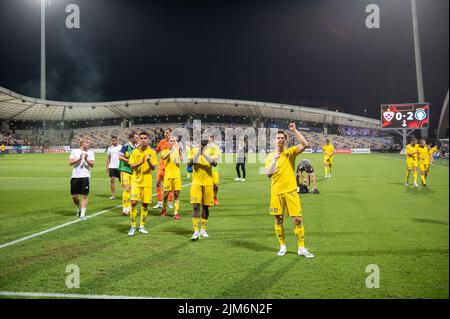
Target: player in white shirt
[
  {"x": 83, "y": 160},
  {"x": 112, "y": 164}
]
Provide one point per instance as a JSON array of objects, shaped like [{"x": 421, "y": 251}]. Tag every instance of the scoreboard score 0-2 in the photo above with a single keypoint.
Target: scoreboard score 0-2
[{"x": 408, "y": 116}]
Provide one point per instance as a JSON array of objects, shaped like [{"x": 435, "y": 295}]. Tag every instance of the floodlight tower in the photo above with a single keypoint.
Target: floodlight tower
[
  {"x": 44, "y": 3},
  {"x": 418, "y": 57}
]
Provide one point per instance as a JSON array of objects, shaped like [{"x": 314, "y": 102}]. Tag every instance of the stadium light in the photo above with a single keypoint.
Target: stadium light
[
  {"x": 418, "y": 57},
  {"x": 43, "y": 3}
]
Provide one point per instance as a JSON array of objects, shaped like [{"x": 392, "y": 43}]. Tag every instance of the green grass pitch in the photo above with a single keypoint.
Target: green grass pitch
[{"x": 363, "y": 215}]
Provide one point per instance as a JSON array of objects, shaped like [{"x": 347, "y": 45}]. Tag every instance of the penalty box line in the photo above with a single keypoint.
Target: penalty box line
[{"x": 63, "y": 225}]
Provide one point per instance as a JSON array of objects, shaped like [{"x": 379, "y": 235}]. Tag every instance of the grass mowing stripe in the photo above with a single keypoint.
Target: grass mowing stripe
[
  {"x": 76, "y": 296},
  {"x": 62, "y": 226}
]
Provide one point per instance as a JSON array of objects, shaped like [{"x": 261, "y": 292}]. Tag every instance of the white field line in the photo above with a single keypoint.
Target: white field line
[
  {"x": 76, "y": 296},
  {"x": 63, "y": 225}
]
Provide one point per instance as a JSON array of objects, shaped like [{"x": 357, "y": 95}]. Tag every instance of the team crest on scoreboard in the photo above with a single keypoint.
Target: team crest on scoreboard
[
  {"x": 420, "y": 115},
  {"x": 388, "y": 115}
]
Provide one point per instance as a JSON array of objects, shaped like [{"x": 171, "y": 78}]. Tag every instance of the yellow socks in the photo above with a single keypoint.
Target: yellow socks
[
  {"x": 195, "y": 222},
  {"x": 144, "y": 214},
  {"x": 415, "y": 177},
  {"x": 299, "y": 231},
  {"x": 204, "y": 222},
  {"x": 424, "y": 179},
  {"x": 326, "y": 170},
  {"x": 177, "y": 206},
  {"x": 133, "y": 215},
  {"x": 279, "y": 230},
  {"x": 126, "y": 200},
  {"x": 407, "y": 177}
]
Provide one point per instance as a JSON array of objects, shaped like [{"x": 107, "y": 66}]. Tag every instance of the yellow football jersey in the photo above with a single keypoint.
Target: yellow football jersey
[
  {"x": 142, "y": 175},
  {"x": 283, "y": 179},
  {"x": 433, "y": 150},
  {"x": 202, "y": 173},
  {"x": 327, "y": 150},
  {"x": 424, "y": 154},
  {"x": 172, "y": 164},
  {"x": 411, "y": 150}
]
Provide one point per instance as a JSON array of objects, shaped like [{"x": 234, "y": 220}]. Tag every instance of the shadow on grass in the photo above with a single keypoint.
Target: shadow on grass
[
  {"x": 333, "y": 234},
  {"x": 430, "y": 221},
  {"x": 260, "y": 279},
  {"x": 252, "y": 246},
  {"x": 423, "y": 191},
  {"x": 393, "y": 252},
  {"x": 118, "y": 198}
]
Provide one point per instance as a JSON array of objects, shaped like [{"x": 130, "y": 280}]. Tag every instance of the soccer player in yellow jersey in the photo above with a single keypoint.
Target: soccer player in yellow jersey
[
  {"x": 202, "y": 189},
  {"x": 411, "y": 161},
  {"x": 216, "y": 153},
  {"x": 328, "y": 155},
  {"x": 280, "y": 167},
  {"x": 143, "y": 162},
  {"x": 172, "y": 177},
  {"x": 433, "y": 150},
  {"x": 424, "y": 161}
]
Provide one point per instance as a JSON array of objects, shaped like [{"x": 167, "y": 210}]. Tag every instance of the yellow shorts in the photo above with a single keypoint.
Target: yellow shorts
[
  {"x": 202, "y": 195},
  {"x": 328, "y": 160},
  {"x": 125, "y": 179},
  {"x": 411, "y": 164},
  {"x": 289, "y": 202},
  {"x": 424, "y": 167},
  {"x": 141, "y": 193},
  {"x": 172, "y": 184},
  {"x": 216, "y": 177}
]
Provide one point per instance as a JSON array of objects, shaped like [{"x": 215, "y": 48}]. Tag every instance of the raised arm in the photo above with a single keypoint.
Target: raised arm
[{"x": 303, "y": 144}]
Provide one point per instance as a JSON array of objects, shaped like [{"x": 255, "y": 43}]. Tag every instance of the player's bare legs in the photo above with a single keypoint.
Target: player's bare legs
[
  {"x": 76, "y": 201},
  {"x": 113, "y": 187},
  {"x": 84, "y": 202},
  {"x": 216, "y": 190},
  {"x": 159, "y": 192},
  {"x": 165, "y": 199}
]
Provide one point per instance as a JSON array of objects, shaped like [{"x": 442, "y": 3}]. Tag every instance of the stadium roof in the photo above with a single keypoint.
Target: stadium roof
[{"x": 14, "y": 106}]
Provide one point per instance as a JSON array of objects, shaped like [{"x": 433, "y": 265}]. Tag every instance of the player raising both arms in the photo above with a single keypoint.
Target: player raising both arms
[
  {"x": 126, "y": 171},
  {"x": 202, "y": 192},
  {"x": 411, "y": 161},
  {"x": 143, "y": 162},
  {"x": 172, "y": 158},
  {"x": 280, "y": 167},
  {"x": 83, "y": 160},
  {"x": 328, "y": 155},
  {"x": 162, "y": 145}
]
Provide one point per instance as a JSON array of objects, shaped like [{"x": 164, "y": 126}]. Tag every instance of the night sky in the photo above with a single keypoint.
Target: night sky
[{"x": 310, "y": 52}]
